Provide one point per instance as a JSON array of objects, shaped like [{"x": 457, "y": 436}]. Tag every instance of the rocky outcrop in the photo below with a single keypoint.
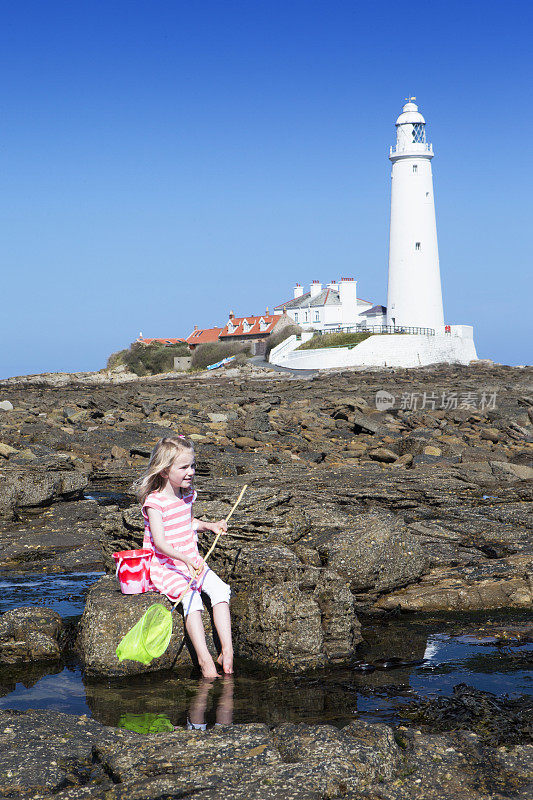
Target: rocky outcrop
[
  {"x": 375, "y": 553},
  {"x": 38, "y": 485},
  {"x": 349, "y": 509},
  {"x": 108, "y": 616},
  {"x": 291, "y": 626},
  {"x": 65, "y": 537},
  {"x": 297, "y": 625},
  {"x": 45, "y": 755},
  {"x": 499, "y": 583},
  {"x": 30, "y": 634}
]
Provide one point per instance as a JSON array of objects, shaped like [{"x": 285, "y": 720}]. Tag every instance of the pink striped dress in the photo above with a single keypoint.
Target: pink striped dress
[{"x": 171, "y": 576}]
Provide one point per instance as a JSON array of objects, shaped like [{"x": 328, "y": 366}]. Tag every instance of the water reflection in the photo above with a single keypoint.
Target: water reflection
[
  {"x": 452, "y": 650},
  {"x": 224, "y": 707}
]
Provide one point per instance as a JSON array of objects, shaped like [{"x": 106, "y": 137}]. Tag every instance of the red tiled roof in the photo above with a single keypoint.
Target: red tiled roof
[
  {"x": 162, "y": 341},
  {"x": 253, "y": 327},
  {"x": 203, "y": 336}
]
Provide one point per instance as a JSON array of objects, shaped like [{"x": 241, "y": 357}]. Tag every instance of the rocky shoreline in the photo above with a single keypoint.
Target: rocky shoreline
[{"x": 352, "y": 512}]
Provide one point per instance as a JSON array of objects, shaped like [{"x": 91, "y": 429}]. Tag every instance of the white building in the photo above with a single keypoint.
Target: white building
[
  {"x": 414, "y": 294},
  {"x": 325, "y": 308}
]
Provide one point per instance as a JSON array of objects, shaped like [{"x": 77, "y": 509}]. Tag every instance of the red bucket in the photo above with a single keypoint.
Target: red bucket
[{"x": 133, "y": 570}]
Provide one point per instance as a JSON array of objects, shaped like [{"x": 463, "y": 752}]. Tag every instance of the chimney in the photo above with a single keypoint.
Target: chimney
[
  {"x": 231, "y": 314},
  {"x": 316, "y": 288},
  {"x": 267, "y": 312},
  {"x": 334, "y": 285},
  {"x": 348, "y": 292},
  {"x": 196, "y": 327},
  {"x": 298, "y": 290}
]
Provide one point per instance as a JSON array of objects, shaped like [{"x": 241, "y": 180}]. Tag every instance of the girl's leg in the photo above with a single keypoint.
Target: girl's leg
[
  {"x": 195, "y": 629},
  {"x": 222, "y": 620}
]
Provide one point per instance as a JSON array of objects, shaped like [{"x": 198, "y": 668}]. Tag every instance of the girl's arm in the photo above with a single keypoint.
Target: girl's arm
[
  {"x": 201, "y": 526},
  {"x": 158, "y": 535}
]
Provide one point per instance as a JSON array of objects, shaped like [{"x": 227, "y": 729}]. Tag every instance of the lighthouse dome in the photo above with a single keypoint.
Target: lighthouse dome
[{"x": 410, "y": 114}]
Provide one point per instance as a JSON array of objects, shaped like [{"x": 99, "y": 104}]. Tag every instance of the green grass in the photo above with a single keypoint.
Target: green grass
[
  {"x": 334, "y": 340},
  {"x": 148, "y": 359}
]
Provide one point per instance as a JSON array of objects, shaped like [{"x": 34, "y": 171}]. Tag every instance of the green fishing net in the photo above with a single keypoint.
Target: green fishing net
[{"x": 149, "y": 638}]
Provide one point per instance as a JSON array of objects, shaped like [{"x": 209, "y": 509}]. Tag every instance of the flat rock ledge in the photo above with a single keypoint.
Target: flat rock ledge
[{"x": 45, "y": 755}]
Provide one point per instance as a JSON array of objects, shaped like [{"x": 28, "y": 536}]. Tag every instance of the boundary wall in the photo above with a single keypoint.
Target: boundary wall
[{"x": 382, "y": 350}]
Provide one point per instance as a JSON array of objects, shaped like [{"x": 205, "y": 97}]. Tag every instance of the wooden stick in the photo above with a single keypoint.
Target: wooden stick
[
  {"x": 217, "y": 537},
  {"x": 214, "y": 543}
]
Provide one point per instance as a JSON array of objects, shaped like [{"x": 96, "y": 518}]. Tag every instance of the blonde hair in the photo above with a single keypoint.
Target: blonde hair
[{"x": 161, "y": 458}]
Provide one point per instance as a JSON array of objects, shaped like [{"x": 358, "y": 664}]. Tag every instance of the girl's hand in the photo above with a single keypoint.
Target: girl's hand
[
  {"x": 197, "y": 567},
  {"x": 219, "y": 527}
]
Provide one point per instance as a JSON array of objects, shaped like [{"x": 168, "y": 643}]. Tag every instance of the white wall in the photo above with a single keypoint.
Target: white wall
[
  {"x": 387, "y": 350},
  {"x": 414, "y": 295}
]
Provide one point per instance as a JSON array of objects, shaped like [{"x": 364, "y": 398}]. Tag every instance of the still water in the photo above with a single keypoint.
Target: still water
[{"x": 446, "y": 651}]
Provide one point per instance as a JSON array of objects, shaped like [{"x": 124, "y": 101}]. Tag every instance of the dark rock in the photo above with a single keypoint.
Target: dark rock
[
  {"x": 29, "y": 634},
  {"x": 496, "y": 720},
  {"x": 32, "y": 486}
]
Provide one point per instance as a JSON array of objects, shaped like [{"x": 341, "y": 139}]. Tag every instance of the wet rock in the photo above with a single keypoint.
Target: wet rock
[
  {"x": 368, "y": 752},
  {"x": 45, "y": 755},
  {"x": 109, "y": 615},
  {"x": 45, "y": 752},
  {"x": 296, "y": 625},
  {"x": 65, "y": 537},
  {"x": 496, "y": 720},
  {"x": 30, "y": 634}
]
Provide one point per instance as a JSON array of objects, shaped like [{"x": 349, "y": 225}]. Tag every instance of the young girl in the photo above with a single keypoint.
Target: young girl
[{"x": 166, "y": 494}]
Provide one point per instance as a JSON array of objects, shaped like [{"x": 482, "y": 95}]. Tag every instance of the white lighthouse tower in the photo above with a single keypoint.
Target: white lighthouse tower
[{"x": 414, "y": 293}]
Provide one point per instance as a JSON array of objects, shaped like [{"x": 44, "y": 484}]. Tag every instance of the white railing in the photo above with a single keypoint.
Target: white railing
[{"x": 415, "y": 147}]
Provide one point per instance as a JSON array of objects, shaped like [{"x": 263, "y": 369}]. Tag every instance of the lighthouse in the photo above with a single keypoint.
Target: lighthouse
[{"x": 414, "y": 291}]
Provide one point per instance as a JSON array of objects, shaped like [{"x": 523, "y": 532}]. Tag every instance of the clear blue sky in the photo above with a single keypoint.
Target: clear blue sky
[{"x": 164, "y": 162}]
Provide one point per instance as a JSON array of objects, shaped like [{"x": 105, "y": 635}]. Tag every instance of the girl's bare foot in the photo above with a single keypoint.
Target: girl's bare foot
[
  {"x": 209, "y": 670},
  {"x": 226, "y": 662}
]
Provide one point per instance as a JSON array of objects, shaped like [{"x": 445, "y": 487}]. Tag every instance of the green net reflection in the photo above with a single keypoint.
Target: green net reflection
[{"x": 146, "y": 723}]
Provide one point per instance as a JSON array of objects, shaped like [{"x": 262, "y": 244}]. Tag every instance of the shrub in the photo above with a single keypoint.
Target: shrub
[
  {"x": 279, "y": 337},
  {"x": 334, "y": 340},
  {"x": 148, "y": 359},
  {"x": 210, "y": 353}
]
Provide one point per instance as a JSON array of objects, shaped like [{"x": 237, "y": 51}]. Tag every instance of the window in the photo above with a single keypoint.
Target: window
[
  {"x": 417, "y": 245},
  {"x": 296, "y": 316},
  {"x": 419, "y": 134},
  {"x": 307, "y": 316},
  {"x": 317, "y": 316},
  {"x": 415, "y": 167},
  {"x": 427, "y": 194}
]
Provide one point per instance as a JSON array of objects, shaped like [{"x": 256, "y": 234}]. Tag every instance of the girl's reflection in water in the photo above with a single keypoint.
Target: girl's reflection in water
[{"x": 224, "y": 712}]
